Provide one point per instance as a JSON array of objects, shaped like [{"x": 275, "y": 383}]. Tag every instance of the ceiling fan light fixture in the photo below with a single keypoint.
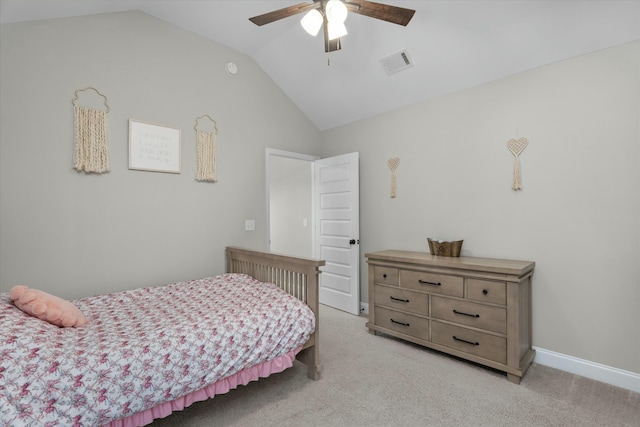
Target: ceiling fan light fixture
[
  {"x": 336, "y": 11},
  {"x": 312, "y": 22},
  {"x": 336, "y": 30}
]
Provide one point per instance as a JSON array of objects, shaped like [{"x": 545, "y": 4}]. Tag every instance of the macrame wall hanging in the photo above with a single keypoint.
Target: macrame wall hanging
[
  {"x": 393, "y": 164},
  {"x": 206, "y": 152},
  {"x": 517, "y": 146},
  {"x": 91, "y": 151}
]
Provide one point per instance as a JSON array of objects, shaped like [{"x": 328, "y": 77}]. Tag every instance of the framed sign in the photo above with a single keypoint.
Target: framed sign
[{"x": 154, "y": 148}]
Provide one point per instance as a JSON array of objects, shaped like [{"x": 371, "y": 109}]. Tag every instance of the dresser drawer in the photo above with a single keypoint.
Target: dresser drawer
[
  {"x": 487, "y": 291},
  {"x": 386, "y": 275},
  {"x": 401, "y": 299},
  {"x": 401, "y": 322},
  {"x": 473, "y": 342},
  {"x": 432, "y": 283},
  {"x": 470, "y": 313}
]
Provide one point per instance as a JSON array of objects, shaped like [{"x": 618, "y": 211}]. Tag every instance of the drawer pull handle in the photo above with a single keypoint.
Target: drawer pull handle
[
  {"x": 399, "y": 299},
  {"x": 384, "y": 275},
  {"x": 465, "y": 341},
  {"x": 399, "y": 323},
  {"x": 484, "y": 291},
  {"x": 466, "y": 314},
  {"x": 424, "y": 282}
]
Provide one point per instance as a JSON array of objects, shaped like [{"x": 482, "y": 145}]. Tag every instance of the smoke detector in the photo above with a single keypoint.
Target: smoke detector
[{"x": 397, "y": 62}]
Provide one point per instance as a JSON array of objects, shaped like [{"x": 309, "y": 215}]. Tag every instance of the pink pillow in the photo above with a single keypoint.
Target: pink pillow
[{"x": 49, "y": 308}]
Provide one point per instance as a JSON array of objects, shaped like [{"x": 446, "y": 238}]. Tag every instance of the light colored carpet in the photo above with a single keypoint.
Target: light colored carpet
[{"x": 372, "y": 380}]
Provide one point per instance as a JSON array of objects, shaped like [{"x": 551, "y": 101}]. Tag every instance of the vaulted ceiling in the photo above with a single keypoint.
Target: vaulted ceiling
[{"x": 453, "y": 44}]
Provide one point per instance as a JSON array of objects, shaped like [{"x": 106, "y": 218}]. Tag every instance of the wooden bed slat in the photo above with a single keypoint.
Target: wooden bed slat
[{"x": 295, "y": 275}]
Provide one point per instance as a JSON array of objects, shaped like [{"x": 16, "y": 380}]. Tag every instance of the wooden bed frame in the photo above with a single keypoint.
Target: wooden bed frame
[{"x": 296, "y": 276}]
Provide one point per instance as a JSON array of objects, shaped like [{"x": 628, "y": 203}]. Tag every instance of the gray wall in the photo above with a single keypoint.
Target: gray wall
[
  {"x": 75, "y": 234},
  {"x": 577, "y": 216}
]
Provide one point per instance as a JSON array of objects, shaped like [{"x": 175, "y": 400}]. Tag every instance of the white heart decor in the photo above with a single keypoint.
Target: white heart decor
[
  {"x": 393, "y": 164},
  {"x": 517, "y": 146}
]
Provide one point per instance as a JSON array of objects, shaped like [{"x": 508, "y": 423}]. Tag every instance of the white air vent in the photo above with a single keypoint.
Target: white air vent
[{"x": 397, "y": 62}]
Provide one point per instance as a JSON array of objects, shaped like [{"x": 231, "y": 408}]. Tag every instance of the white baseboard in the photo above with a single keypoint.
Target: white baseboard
[{"x": 606, "y": 374}]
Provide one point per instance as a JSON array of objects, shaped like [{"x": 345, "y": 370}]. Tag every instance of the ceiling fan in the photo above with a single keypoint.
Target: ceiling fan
[{"x": 331, "y": 15}]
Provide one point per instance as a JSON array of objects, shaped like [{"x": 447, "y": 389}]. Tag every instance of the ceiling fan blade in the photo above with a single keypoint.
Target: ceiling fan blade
[
  {"x": 276, "y": 15},
  {"x": 393, "y": 14}
]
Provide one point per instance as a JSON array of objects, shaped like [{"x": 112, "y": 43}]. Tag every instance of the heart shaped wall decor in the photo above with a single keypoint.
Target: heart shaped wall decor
[
  {"x": 517, "y": 146},
  {"x": 393, "y": 164}
]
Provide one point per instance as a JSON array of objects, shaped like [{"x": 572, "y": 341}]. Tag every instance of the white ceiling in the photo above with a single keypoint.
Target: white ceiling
[{"x": 454, "y": 44}]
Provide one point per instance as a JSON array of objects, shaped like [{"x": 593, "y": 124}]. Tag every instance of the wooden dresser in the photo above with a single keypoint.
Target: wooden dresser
[{"x": 474, "y": 308}]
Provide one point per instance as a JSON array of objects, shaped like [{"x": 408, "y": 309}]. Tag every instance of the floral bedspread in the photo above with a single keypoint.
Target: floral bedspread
[{"x": 141, "y": 348}]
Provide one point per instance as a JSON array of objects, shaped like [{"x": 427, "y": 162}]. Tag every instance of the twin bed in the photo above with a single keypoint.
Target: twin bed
[{"x": 148, "y": 352}]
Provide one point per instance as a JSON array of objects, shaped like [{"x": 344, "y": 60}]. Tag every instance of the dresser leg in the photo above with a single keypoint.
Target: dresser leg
[{"x": 513, "y": 378}]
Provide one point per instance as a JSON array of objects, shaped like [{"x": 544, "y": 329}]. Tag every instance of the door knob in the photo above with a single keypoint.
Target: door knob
[{"x": 352, "y": 241}]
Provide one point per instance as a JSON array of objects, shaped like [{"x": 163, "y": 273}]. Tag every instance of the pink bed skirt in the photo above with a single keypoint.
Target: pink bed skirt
[{"x": 243, "y": 377}]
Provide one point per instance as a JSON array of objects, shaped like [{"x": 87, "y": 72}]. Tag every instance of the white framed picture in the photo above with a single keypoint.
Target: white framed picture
[{"x": 154, "y": 148}]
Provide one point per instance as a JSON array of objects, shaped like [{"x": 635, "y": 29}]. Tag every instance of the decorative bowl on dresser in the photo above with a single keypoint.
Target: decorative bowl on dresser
[{"x": 477, "y": 309}]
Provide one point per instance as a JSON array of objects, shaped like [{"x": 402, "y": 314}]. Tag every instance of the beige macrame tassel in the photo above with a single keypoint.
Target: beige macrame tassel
[
  {"x": 517, "y": 146},
  {"x": 517, "y": 182},
  {"x": 206, "y": 156},
  {"x": 91, "y": 152},
  {"x": 393, "y": 164}
]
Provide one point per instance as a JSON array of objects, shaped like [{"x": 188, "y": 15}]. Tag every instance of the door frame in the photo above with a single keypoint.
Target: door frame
[{"x": 291, "y": 155}]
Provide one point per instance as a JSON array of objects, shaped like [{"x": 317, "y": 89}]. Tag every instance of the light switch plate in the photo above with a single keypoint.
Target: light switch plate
[{"x": 249, "y": 225}]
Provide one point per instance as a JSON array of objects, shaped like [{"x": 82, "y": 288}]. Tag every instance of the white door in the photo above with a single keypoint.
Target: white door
[{"x": 337, "y": 207}]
